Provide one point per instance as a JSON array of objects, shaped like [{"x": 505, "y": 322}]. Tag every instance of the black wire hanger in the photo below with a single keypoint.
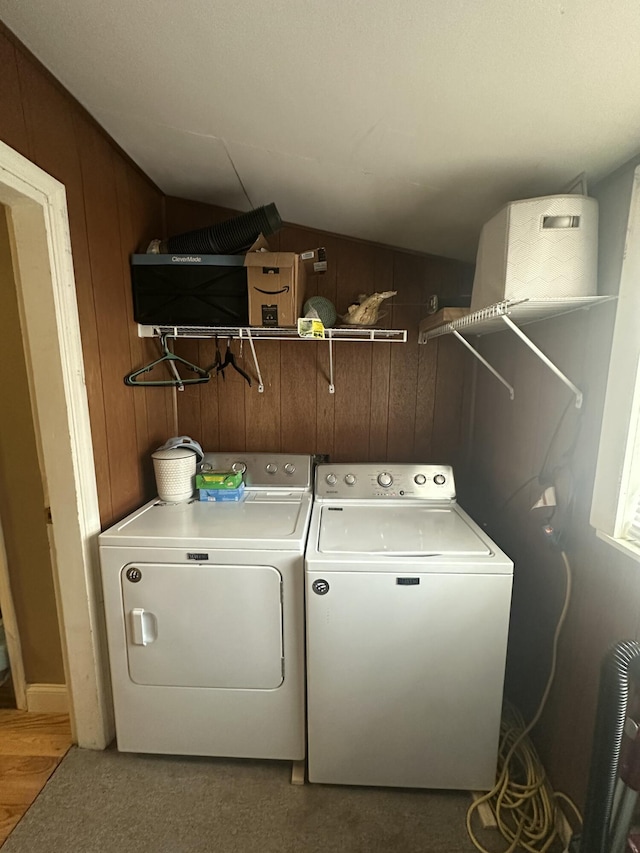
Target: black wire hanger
[{"x": 229, "y": 361}]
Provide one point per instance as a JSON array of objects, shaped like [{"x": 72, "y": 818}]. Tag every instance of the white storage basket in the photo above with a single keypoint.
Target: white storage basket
[{"x": 538, "y": 248}]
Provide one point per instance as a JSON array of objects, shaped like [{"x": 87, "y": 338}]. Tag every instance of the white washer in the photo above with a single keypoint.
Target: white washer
[
  {"x": 408, "y": 606},
  {"x": 204, "y": 606}
]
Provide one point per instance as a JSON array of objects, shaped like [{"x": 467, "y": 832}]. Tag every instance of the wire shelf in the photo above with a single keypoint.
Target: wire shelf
[
  {"x": 258, "y": 333},
  {"x": 521, "y": 312},
  {"x": 512, "y": 315}
]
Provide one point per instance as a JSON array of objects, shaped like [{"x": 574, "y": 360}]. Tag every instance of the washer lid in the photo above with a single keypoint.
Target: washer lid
[{"x": 397, "y": 531}]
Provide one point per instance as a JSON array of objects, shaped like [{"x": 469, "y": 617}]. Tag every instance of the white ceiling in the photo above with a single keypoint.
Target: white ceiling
[{"x": 406, "y": 122}]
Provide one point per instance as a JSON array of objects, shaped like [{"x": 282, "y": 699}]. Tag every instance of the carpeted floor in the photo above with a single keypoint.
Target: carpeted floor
[{"x": 108, "y": 802}]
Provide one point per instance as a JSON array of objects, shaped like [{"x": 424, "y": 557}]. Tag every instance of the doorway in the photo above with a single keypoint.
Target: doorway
[
  {"x": 28, "y": 590},
  {"x": 39, "y": 238}
]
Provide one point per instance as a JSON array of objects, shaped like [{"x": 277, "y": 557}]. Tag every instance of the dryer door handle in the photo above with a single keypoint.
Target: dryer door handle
[{"x": 144, "y": 626}]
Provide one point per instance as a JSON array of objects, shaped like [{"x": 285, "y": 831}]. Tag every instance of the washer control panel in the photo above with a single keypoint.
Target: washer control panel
[
  {"x": 364, "y": 481},
  {"x": 263, "y": 470}
]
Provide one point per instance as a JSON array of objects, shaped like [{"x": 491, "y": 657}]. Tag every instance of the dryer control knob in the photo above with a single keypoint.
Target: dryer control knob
[
  {"x": 331, "y": 479},
  {"x": 239, "y": 467},
  {"x": 271, "y": 467},
  {"x": 419, "y": 479},
  {"x": 385, "y": 480},
  {"x": 350, "y": 479},
  {"x": 290, "y": 468},
  {"x": 439, "y": 479}
]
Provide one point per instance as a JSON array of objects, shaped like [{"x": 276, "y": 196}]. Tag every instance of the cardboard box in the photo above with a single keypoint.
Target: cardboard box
[
  {"x": 444, "y": 315},
  {"x": 276, "y": 282}
]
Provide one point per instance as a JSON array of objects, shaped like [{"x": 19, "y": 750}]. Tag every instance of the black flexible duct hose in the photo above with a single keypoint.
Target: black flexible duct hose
[
  {"x": 225, "y": 238},
  {"x": 605, "y": 754}
]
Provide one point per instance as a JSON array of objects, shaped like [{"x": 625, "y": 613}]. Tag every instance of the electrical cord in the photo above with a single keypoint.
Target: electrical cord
[
  {"x": 522, "y": 800},
  {"x": 540, "y": 476}
]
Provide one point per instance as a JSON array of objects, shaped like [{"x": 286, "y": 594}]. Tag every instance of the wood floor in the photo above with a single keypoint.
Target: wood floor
[{"x": 31, "y": 747}]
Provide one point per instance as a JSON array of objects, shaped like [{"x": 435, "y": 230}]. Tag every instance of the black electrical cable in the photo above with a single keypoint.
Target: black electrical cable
[{"x": 566, "y": 455}]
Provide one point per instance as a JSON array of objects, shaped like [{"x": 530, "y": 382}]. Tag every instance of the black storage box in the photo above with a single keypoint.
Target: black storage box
[{"x": 189, "y": 290}]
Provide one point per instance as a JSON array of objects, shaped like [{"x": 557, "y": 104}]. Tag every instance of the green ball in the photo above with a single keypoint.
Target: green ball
[{"x": 323, "y": 307}]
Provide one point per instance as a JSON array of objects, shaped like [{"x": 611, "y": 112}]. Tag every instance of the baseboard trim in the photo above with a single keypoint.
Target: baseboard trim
[{"x": 47, "y": 698}]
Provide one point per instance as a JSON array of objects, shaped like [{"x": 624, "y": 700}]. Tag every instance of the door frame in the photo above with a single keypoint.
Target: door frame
[{"x": 45, "y": 284}]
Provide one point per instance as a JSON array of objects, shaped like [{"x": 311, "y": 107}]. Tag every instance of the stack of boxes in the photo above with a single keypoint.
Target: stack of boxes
[{"x": 261, "y": 288}]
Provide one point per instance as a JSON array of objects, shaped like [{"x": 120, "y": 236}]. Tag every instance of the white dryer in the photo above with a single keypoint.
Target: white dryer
[
  {"x": 204, "y": 607},
  {"x": 407, "y": 603}
]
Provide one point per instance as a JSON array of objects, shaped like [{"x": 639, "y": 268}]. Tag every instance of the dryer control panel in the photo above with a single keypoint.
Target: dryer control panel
[
  {"x": 398, "y": 481},
  {"x": 264, "y": 470}
]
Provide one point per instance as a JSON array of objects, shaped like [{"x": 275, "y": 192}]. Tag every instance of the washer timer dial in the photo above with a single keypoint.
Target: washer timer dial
[
  {"x": 385, "y": 480},
  {"x": 439, "y": 479}
]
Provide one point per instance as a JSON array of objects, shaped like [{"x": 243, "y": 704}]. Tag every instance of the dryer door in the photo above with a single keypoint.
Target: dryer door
[{"x": 203, "y": 625}]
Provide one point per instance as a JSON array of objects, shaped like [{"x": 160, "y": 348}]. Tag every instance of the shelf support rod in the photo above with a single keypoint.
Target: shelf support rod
[
  {"x": 255, "y": 361},
  {"x": 172, "y": 366},
  {"x": 332, "y": 387},
  {"x": 485, "y": 362},
  {"x": 544, "y": 359},
  {"x": 174, "y": 370}
]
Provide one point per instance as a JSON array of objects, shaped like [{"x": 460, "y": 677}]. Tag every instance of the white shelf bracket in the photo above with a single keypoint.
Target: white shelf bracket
[
  {"x": 485, "y": 362},
  {"x": 544, "y": 359},
  {"x": 332, "y": 387},
  {"x": 255, "y": 361}
]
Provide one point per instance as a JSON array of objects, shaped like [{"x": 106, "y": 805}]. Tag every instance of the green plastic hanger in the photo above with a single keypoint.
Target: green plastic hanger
[{"x": 172, "y": 359}]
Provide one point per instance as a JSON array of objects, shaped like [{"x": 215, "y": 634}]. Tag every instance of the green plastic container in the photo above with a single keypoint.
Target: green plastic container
[{"x": 219, "y": 480}]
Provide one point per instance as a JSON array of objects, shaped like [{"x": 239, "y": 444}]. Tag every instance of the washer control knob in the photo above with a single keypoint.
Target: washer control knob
[
  {"x": 439, "y": 479},
  {"x": 419, "y": 479},
  {"x": 350, "y": 479},
  {"x": 290, "y": 468},
  {"x": 271, "y": 467},
  {"x": 331, "y": 479},
  {"x": 238, "y": 467},
  {"x": 385, "y": 480}
]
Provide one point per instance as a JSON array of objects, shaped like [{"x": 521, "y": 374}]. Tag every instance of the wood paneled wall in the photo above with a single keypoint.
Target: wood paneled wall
[
  {"x": 542, "y": 431},
  {"x": 393, "y": 401},
  {"x": 114, "y": 210}
]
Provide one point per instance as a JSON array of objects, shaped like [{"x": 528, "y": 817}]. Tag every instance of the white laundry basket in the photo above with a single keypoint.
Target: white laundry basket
[{"x": 175, "y": 470}]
